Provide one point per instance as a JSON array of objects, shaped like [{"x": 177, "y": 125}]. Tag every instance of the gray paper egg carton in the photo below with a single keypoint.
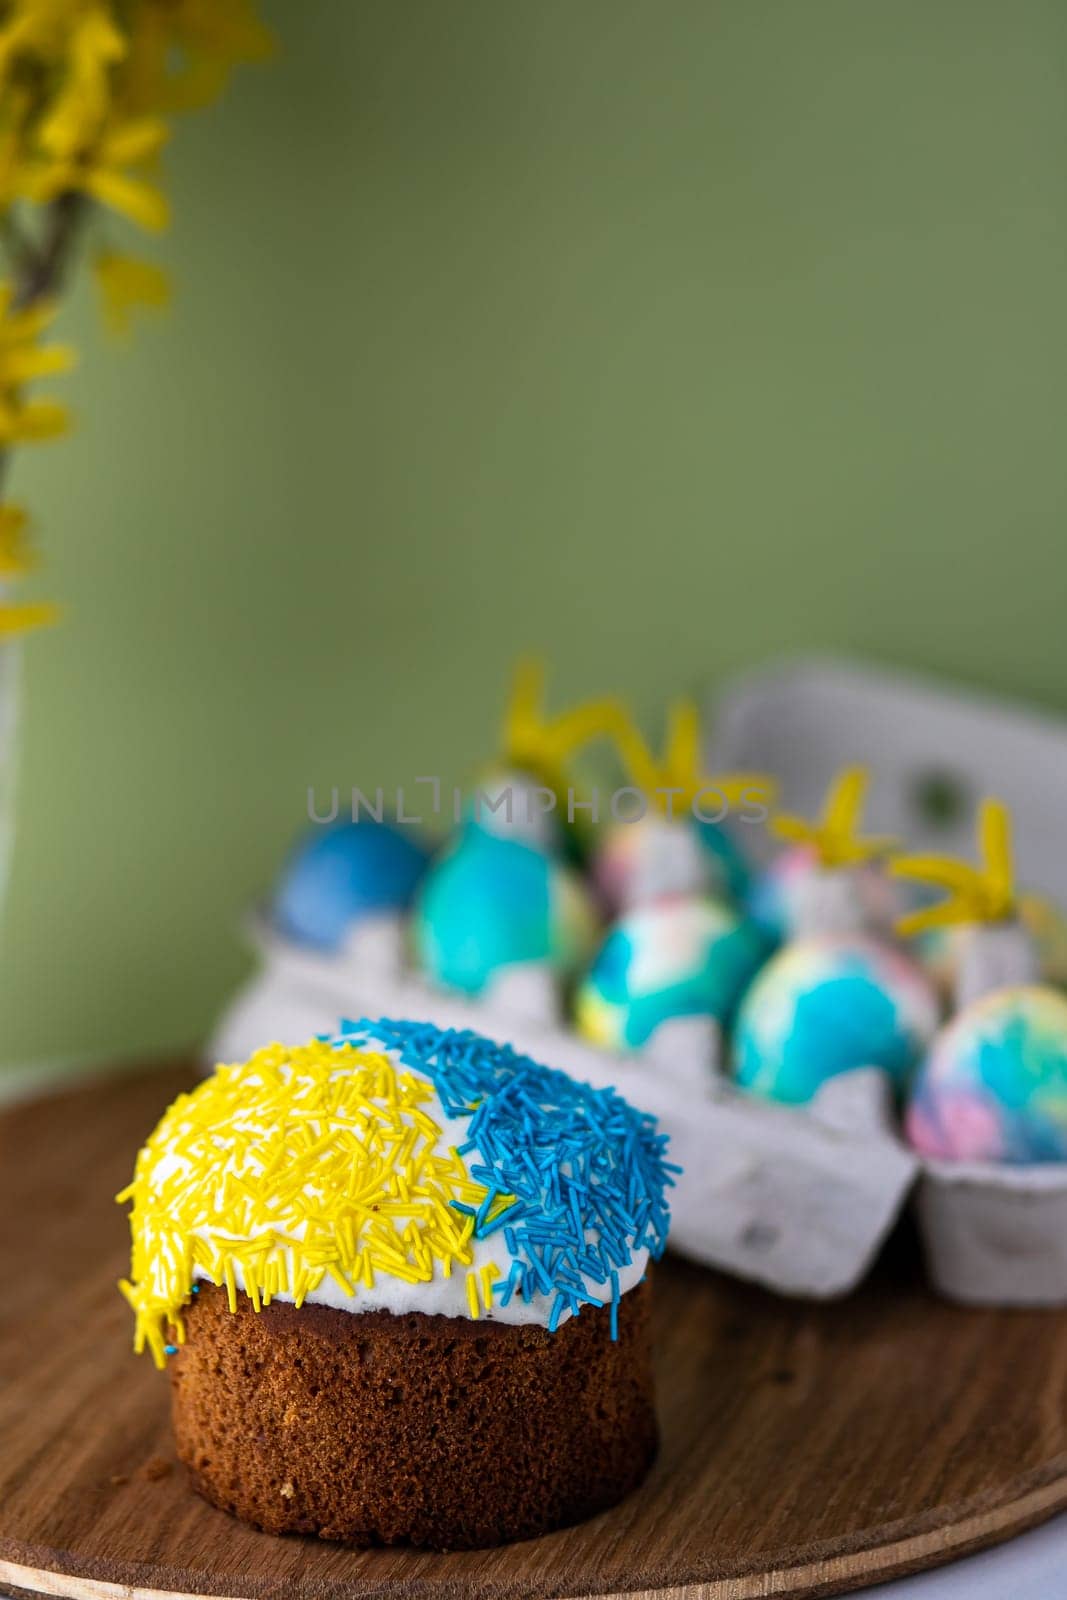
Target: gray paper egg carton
[
  {"x": 992, "y": 1234},
  {"x": 798, "y": 1199}
]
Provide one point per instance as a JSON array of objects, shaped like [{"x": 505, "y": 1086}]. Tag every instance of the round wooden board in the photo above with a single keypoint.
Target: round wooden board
[{"x": 806, "y": 1449}]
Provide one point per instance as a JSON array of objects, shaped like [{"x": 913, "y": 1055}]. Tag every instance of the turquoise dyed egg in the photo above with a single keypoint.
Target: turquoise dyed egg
[
  {"x": 994, "y": 1086},
  {"x": 674, "y": 958},
  {"x": 494, "y": 902},
  {"x": 338, "y": 876},
  {"x": 827, "y": 1005}
]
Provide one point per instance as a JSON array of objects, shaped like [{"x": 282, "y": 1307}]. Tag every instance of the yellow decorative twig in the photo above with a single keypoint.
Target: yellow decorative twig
[
  {"x": 677, "y": 779},
  {"x": 541, "y": 745},
  {"x": 86, "y": 91},
  {"x": 835, "y": 836},
  {"x": 985, "y": 893}
]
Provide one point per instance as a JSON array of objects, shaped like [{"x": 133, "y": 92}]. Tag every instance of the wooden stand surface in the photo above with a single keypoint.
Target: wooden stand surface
[{"x": 806, "y": 1449}]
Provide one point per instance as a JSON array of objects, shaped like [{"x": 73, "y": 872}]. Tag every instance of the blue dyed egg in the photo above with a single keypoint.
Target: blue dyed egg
[
  {"x": 338, "y": 876},
  {"x": 994, "y": 1086},
  {"x": 494, "y": 902},
  {"x": 680, "y": 958},
  {"x": 827, "y": 1005}
]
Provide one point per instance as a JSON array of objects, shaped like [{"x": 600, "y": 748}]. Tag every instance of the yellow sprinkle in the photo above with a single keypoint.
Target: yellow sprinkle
[
  {"x": 472, "y": 1295},
  {"x": 487, "y": 1274},
  {"x": 339, "y": 1278},
  {"x": 297, "y": 1165}
]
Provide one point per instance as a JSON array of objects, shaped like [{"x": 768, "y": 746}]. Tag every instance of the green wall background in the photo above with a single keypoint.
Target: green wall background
[{"x": 659, "y": 337}]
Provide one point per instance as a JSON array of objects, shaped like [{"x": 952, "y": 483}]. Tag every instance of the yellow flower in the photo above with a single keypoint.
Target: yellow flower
[
  {"x": 20, "y": 619},
  {"x": 11, "y": 137},
  {"x": 70, "y": 46},
  {"x": 182, "y": 52},
  {"x": 16, "y": 558},
  {"x": 40, "y": 28},
  {"x": 22, "y": 360},
  {"x": 80, "y": 108},
  {"x": 126, "y": 284},
  {"x": 100, "y": 172}
]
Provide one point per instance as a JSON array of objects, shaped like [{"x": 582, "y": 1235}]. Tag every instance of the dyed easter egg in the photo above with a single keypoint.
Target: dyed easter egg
[
  {"x": 494, "y": 902},
  {"x": 826, "y": 1005},
  {"x": 994, "y": 1086},
  {"x": 680, "y": 958},
  {"x": 338, "y": 876},
  {"x": 795, "y": 896}
]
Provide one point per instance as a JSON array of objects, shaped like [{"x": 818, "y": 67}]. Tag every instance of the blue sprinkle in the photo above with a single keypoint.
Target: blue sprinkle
[
  {"x": 588, "y": 1172},
  {"x": 514, "y": 1279},
  {"x": 487, "y": 1228},
  {"x": 170, "y": 1349}
]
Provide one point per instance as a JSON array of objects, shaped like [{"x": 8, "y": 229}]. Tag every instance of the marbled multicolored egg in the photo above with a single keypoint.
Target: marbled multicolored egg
[
  {"x": 994, "y": 1086},
  {"x": 493, "y": 902},
  {"x": 675, "y": 958},
  {"x": 785, "y": 899},
  {"x": 826, "y": 1005},
  {"x": 337, "y": 876}
]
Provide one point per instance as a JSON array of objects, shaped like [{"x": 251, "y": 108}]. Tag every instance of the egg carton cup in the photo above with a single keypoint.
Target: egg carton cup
[
  {"x": 995, "y": 1235},
  {"x": 798, "y": 1199}
]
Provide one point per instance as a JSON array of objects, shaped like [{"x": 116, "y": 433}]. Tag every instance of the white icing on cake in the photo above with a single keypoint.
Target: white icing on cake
[{"x": 441, "y": 1296}]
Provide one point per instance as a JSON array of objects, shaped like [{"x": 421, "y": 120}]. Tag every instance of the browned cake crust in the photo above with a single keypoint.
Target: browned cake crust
[{"x": 378, "y": 1429}]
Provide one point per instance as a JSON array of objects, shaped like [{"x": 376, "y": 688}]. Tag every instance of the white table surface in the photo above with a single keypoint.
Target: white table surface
[{"x": 1030, "y": 1567}]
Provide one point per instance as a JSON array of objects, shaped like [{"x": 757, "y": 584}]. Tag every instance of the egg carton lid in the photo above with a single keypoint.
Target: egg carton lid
[
  {"x": 934, "y": 749},
  {"x": 798, "y": 1199},
  {"x": 992, "y": 1234}
]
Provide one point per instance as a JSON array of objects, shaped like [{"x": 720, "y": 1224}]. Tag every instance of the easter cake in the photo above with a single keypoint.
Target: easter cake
[{"x": 399, "y": 1278}]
